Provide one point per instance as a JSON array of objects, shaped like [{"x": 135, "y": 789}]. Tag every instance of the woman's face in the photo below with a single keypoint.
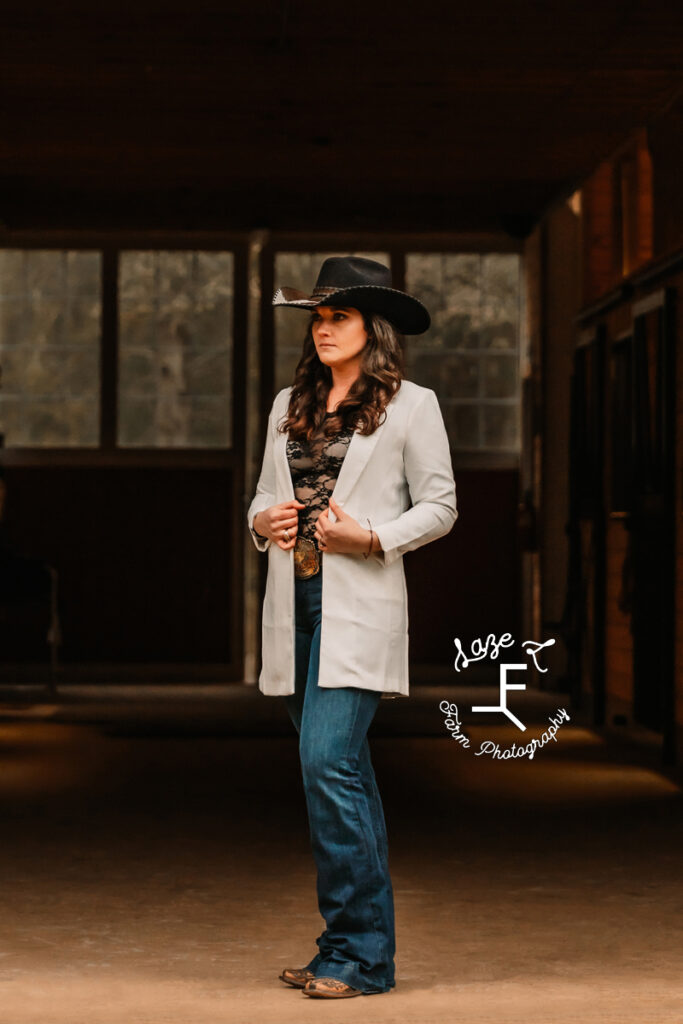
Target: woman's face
[{"x": 339, "y": 335}]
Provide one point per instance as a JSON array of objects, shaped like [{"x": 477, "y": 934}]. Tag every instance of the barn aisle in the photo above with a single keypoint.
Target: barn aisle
[{"x": 156, "y": 868}]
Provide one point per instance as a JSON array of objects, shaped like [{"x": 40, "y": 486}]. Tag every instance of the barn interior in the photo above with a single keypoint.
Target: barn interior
[{"x": 162, "y": 171}]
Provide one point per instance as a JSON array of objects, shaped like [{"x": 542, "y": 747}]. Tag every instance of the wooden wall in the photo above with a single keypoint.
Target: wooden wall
[{"x": 629, "y": 249}]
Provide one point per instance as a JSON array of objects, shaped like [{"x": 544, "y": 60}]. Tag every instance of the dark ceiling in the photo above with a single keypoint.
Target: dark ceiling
[{"x": 298, "y": 115}]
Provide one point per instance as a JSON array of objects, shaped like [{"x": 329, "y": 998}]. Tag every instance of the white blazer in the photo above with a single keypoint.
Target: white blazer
[{"x": 400, "y": 479}]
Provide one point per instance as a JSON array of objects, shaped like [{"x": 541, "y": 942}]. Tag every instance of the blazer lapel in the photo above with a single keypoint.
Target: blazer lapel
[
  {"x": 357, "y": 455},
  {"x": 284, "y": 476}
]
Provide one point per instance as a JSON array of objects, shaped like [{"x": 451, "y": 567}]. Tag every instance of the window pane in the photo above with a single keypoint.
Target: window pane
[
  {"x": 175, "y": 349},
  {"x": 450, "y": 287},
  {"x": 500, "y": 376},
  {"x": 500, "y": 426},
  {"x": 299, "y": 270},
  {"x": 462, "y": 423},
  {"x": 50, "y": 312},
  {"x": 499, "y": 301},
  {"x": 470, "y": 355}
]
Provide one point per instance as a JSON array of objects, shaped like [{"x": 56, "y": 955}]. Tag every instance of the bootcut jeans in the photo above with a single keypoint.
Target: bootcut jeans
[{"x": 345, "y": 815}]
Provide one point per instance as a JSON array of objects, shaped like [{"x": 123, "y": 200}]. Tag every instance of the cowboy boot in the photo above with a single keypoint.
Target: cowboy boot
[{"x": 296, "y": 977}]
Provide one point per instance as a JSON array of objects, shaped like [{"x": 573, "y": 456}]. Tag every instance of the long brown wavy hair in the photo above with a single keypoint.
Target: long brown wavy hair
[{"x": 381, "y": 373}]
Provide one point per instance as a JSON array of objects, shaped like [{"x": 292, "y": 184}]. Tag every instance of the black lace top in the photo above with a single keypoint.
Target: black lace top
[{"x": 314, "y": 466}]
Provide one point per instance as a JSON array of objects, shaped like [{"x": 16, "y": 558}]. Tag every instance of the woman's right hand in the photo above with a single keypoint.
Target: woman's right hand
[{"x": 274, "y": 521}]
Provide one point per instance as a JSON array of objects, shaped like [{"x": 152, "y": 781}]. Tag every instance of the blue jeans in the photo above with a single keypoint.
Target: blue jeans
[{"x": 345, "y": 815}]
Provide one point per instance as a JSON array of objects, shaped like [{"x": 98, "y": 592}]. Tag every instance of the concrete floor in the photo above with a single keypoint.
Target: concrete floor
[{"x": 155, "y": 867}]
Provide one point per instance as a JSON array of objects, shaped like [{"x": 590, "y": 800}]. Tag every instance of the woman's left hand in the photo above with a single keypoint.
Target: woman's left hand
[{"x": 345, "y": 536}]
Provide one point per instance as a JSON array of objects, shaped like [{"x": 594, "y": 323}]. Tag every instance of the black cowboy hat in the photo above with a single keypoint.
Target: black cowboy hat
[{"x": 361, "y": 284}]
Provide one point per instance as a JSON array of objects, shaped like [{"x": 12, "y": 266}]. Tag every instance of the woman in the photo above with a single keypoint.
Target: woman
[{"x": 356, "y": 471}]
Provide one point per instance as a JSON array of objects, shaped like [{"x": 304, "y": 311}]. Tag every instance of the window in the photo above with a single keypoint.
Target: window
[
  {"x": 174, "y": 322},
  {"x": 470, "y": 355},
  {"x": 50, "y": 312},
  {"x": 175, "y": 349}
]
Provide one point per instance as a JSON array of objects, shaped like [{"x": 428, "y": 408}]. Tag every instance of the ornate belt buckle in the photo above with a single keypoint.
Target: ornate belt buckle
[{"x": 306, "y": 558}]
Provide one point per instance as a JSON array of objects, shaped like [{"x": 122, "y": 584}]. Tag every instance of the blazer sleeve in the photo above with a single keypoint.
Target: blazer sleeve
[
  {"x": 265, "y": 488},
  {"x": 429, "y": 473}
]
